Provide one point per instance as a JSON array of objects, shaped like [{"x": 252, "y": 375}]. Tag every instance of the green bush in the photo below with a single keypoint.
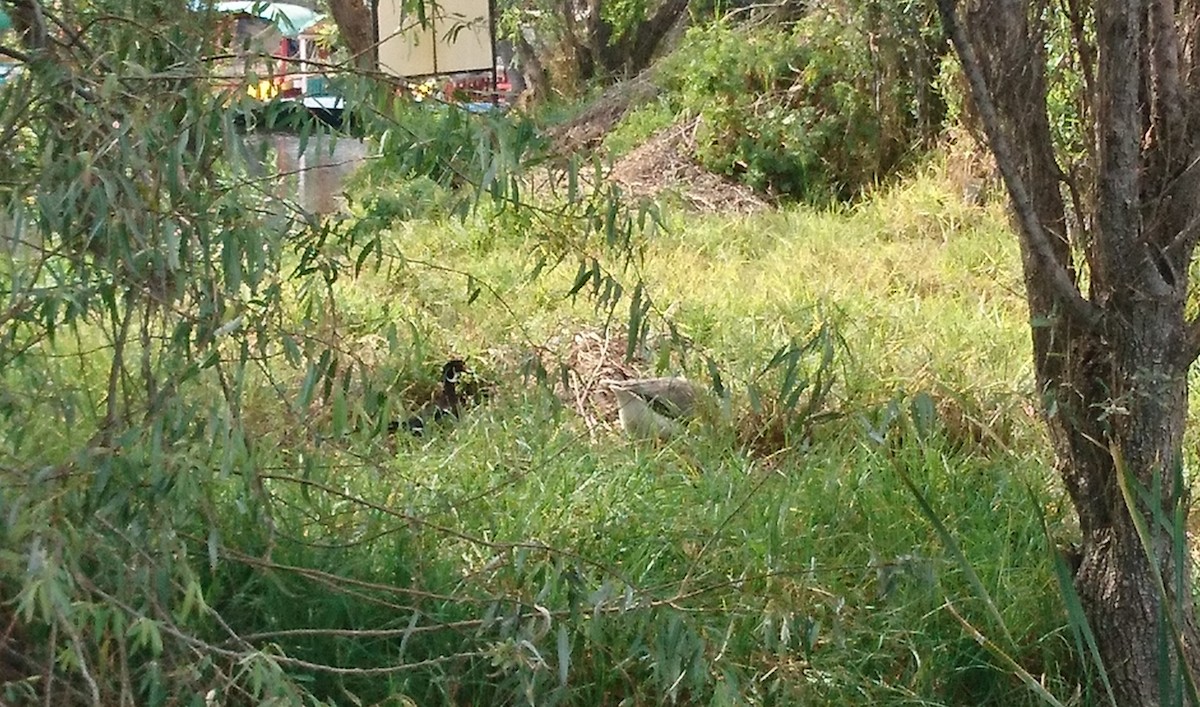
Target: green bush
[
  {"x": 433, "y": 159},
  {"x": 638, "y": 125},
  {"x": 815, "y": 110}
]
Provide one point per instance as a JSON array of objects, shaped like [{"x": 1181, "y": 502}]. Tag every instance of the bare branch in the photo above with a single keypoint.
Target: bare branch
[
  {"x": 1181, "y": 190},
  {"x": 1083, "y": 47},
  {"x": 1168, "y": 109},
  {"x": 1118, "y": 180},
  {"x": 15, "y": 54},
  {"x": 80, "y": 656},
  {"x": 1031, "y": 228}
]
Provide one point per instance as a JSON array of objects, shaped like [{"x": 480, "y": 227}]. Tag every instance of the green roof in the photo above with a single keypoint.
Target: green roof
[{"x": 291, "y": 19}]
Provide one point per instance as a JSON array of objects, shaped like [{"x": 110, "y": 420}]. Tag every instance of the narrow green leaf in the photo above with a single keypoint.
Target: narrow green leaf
[
  {"x": 564, "y": 654},
  {"x": 214, "y": 547},
  {"x": 231, "y": 260},
  {"x": 1124, "y": 481},
  {"x": 956, "y": 552},
  {"x": 755, "y": 396},
  {"x": 372, "y": 246},
  {"x": 291, "y": 350},
  {"x": 610, "y": 222},
  {"x": 309, "y": 386},
  {"x": 714, "y": 375},
  {"x": 1005, "y": 659},
  {"x": 636, "y": 320},
  {"x": 538, "y": 266},
  {"x": 582, "y": 277},
  {"x": 924, "y": 413},
  {"x": 1075, "y": 613}
]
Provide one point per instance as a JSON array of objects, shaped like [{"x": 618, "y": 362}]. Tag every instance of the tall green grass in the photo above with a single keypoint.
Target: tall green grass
[
  {"x": 517, "y": 557},
  {"x": 574, "y": 570}
]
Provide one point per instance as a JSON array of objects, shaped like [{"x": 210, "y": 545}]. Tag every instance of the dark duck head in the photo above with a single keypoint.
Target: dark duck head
[{"x": 445, "y": 403}]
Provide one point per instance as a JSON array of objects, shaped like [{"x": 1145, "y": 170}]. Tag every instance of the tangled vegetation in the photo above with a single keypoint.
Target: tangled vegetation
[
  {"x": 201, "y": 502},
  {"x": 820, "y": 109}
]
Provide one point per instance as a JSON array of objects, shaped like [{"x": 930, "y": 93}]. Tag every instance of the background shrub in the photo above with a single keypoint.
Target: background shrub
[{"x": 817, "y": 109}]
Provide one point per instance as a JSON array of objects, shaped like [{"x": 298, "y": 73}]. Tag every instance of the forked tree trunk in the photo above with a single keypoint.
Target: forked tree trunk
[
  {"x": 597, "y": 51},
  {"x": 1111, "y": 363}
]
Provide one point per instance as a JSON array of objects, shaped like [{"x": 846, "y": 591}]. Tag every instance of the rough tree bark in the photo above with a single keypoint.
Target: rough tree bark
[
  {"x": 355, "y": 21},
  {"x": 637, "y": 49},
  {"x": 532, "y": 72},
  {"x": 594, "y": 50},
  {"x": 1111, "y": 361}
]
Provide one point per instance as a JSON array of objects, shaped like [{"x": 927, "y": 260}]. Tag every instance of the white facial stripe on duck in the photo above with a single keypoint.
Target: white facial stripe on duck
[{"x": 446, "y": 400}]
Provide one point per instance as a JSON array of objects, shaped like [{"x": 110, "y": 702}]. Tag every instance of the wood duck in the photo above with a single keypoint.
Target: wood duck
[
  {"x": 654, "y": 407},
  {"x": 445, "y": 403}
]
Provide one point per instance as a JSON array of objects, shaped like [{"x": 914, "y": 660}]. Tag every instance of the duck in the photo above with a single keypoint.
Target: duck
[
  {"x": 445, "y": 404},
  {"x": 654, "y": 407}
]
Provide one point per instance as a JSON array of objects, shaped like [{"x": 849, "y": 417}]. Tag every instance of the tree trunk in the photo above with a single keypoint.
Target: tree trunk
[
  {"x": 576, "y": 40},
  {"x": 1111, "y": 365},
  {"x": 30, "y": 24},
  {"x": 532, "y": 71},
  {"x": 636, "y": 51},
  {"x": 355, "y": 21},
  {"x": 594, "y": 50}
]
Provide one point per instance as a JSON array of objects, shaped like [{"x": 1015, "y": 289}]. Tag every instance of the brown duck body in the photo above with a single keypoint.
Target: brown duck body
[{"x": 654, "y": 407}]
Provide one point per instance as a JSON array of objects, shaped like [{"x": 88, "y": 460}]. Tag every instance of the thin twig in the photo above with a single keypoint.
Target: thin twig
[
  {"x": 451, "y": 532},
  {"x": 48, "y": 677},
  {"x": 359, "y": 632},
  {"x": 81, "y": 655}
]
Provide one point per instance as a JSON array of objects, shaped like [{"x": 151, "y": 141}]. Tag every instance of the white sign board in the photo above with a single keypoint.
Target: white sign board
[{"x": 456, "y": 37}]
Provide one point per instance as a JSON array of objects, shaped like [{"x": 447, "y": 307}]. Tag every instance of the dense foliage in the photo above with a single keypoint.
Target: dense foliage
[
  {"x": 199, "y": 503},
  {"x": 817, "y": 109}
]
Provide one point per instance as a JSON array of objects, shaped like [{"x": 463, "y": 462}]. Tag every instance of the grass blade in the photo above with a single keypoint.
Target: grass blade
[
  {"x": 1074, "y": 606},
  {"x": 955, "y": 551},
  {"x": 1031, "y": 682},
  {"x": 1143, "y": 533}
]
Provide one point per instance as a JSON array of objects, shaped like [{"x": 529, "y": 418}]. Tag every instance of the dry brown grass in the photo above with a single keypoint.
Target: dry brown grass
[
  {"x": 590, "y": 356},
  {"x": 665, "y": 164}
]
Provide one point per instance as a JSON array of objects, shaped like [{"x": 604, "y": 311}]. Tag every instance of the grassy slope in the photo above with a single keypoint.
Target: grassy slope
[{"x": 809, "y": 576}]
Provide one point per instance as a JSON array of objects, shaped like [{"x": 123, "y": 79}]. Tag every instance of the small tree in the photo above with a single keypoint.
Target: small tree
[{"x": 1107, "y": 239}]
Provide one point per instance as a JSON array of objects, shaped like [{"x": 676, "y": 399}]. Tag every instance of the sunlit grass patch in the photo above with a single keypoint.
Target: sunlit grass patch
[
  {"x": 804, "y": 569},
  {"x": 770, "y": 555}
]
